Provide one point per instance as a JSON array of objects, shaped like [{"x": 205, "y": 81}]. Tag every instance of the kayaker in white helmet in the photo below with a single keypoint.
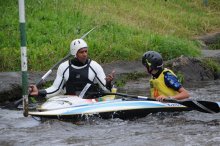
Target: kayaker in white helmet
[
  {"x": 79, "y": 75},
  {"x": 164, "y": 83}
]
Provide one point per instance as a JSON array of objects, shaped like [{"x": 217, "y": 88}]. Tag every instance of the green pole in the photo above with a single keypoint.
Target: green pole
[{"x": 23, "y": 57}]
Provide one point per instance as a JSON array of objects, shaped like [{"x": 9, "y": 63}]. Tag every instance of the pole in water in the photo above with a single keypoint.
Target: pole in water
[{"x": 23, "y": 57}]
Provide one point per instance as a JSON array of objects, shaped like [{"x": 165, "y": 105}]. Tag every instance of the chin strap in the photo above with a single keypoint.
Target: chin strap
[
  {"x": 149, "y": 71},
  {"x": 156, "y": 75}
]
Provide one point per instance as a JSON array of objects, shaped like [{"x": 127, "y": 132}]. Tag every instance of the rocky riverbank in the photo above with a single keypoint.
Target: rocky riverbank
[{"x": 192, "y": 69}]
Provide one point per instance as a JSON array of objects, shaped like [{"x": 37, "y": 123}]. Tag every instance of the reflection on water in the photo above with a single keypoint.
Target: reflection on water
[{"x": 186, "y": 128}]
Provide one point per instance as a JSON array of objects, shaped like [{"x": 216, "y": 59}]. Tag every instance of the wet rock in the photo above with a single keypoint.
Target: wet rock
[
  {"x": 11, "y": 84},
  {"x": 192, "y": 69}
]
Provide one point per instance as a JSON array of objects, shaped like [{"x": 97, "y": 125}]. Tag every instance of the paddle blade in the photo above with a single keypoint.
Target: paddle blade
[{"x": 202, "y": 106}]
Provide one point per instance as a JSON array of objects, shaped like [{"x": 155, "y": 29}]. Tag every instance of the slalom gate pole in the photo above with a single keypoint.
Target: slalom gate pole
[{"x": 23, "y": 48}]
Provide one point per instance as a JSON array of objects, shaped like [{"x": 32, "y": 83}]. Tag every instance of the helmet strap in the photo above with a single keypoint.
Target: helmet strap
[
  {"x": 156, "y": 75},
  {"x": 149, "y": 69}
]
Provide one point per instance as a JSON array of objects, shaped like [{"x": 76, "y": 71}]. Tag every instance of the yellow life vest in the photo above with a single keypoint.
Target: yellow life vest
[{"x": 158, "y": 86}]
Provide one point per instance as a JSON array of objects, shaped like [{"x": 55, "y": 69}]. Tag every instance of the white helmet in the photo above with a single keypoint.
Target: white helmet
[{"x": 76, "y": 45}]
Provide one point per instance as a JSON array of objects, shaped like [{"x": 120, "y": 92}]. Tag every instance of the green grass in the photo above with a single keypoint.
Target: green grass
[{"x": 125, "y": 29}]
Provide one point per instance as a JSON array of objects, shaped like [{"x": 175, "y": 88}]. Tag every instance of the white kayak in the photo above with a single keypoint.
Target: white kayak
[{"x": 65, "y": 106}]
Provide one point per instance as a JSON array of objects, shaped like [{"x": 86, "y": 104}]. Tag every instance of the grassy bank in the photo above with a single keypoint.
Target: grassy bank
[{"x": 125, "y": 29}]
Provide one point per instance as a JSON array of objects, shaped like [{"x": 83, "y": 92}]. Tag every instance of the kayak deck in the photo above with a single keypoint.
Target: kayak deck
[{"x": 119, "y": 108}]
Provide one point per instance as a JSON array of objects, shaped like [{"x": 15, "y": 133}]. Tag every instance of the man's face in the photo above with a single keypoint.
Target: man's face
[{"x": 82, "y": 55}]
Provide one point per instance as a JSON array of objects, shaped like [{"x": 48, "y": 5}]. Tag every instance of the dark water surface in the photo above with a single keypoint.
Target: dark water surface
[{"x": 162, "y": 129}]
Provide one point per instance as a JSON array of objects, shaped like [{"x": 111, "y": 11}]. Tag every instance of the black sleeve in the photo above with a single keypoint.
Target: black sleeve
[{"x": 42, "y": 93}]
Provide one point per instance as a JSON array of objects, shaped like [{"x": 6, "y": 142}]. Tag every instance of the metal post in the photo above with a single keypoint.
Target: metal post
[{"x": 23, "y": 57}]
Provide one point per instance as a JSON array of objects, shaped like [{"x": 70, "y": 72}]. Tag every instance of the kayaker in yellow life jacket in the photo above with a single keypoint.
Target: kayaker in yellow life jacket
[{"x": 164, "y": 83}]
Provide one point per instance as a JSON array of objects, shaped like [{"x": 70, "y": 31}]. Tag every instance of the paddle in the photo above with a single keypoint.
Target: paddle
[
  {"x": 16, "y": 103},
  {"x": 202, "y": 106}
]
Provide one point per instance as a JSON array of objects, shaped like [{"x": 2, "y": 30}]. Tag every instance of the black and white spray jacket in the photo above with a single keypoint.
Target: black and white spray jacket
[{"x": 77, "y": 79}]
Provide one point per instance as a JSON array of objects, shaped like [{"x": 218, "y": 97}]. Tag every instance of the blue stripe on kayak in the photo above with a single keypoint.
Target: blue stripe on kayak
[{"x": 128, "y": 104}]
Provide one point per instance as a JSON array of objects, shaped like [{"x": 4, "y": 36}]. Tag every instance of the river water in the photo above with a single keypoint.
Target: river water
[{"x": 162, "y": 129}]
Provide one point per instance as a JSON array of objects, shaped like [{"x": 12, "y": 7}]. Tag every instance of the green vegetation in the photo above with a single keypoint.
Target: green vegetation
[{"x": 126, "y": 29}]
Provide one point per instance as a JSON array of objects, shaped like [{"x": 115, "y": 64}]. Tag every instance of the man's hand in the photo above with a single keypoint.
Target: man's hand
[
  {"x": 160, "y": 98},
  {"x": 33, "y": 91},
  {"x": 110, "y": 76}
]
